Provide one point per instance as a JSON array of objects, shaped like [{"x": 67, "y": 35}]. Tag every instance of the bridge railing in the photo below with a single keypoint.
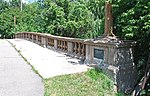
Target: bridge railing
[
  {"x": 72, "y": 46},
  {"x": 113, "y": 56}
]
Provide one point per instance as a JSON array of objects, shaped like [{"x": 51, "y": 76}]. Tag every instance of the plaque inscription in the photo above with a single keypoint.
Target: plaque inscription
[{"x": 99, "y": 53}]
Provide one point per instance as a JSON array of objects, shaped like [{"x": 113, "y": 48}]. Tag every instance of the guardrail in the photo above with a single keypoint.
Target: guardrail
[{"x": 70, "y": 45}]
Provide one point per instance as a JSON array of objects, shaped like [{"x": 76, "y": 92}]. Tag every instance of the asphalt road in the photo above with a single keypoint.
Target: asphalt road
[{"x": 17, "y": 77}]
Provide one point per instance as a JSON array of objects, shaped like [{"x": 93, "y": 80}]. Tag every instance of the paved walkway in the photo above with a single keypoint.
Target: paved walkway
[
  {"x": 16, "y": 76},
  {"x": 47, "y": 62}
]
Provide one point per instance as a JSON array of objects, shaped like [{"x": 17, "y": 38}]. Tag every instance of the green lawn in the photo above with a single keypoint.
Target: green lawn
[{"x": 90, "y": 83}]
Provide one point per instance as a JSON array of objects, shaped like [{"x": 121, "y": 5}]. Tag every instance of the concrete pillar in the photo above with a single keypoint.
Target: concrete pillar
[
  {"x": 88, "y": 56},
  {"x": 32, "y": 38},
  {"x": 20, "y": 35},
  {"x": 43, "y": 41},
  {"x": 111, "y": 59},
  {"x": 36, "y": 41},
  {"x": 23, "y": 35},
  {"x": 55, "y": 43},
  {"x": 70, "y": 47}
]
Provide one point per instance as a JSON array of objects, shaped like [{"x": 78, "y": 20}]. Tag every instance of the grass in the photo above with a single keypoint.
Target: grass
[{"x": 90, "y": 83}]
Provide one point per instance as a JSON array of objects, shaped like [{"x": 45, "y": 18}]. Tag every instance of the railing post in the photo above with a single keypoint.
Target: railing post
[
  {"x": 55, "y": 43},
  {"x": 88, "y": 55},
  {"x": 36, "y": 41},
  {"x": 70, "y": 47},
  {"x": 24, "y": 36},
  {"x": 43, "y": 37},
  {"x": 83, "y": 51},
  {"x": 46, "y": 41},
  {"x": 60, "y": 45},
  {"x": 20, "y": 35},
  {"x": 75, "y": 48},
  {"x": 32, "y": 38},
  {"x": 29, "y": 36},
  {"x": 79, "y": 48}
]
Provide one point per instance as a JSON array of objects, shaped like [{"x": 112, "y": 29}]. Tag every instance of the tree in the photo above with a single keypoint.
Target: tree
[{"x": 132, "y": 22}]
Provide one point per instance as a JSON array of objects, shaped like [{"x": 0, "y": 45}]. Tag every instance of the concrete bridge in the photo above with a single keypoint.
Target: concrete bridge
[
  {"x": 114, "y": 56},
  {"x": 66, "y": 56},
  {"x": 51, "y": 55}
]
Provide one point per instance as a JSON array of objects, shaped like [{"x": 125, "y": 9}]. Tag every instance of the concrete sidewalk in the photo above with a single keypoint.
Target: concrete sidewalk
[
  {"x": 48, "y": 62},
  {"x": 16, "y": 76}
]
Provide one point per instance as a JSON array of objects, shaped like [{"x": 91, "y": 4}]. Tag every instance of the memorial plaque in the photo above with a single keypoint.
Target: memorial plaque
[{"x": 99, "y": 54}]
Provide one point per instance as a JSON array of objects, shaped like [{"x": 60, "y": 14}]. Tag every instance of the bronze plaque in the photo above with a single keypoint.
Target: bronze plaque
[{"x": 99, "y": 53}]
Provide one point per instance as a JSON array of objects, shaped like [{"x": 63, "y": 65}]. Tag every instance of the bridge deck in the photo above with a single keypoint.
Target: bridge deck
[{"x": 48, "y": 62}]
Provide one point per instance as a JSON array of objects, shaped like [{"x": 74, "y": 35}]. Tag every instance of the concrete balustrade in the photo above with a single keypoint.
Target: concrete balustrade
[
  {"x": 72, "y": 46},
  {"x": 113, "y": 56}
]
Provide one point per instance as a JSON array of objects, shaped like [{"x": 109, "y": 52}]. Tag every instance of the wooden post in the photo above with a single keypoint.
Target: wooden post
[{"x": 108, "y": 19}]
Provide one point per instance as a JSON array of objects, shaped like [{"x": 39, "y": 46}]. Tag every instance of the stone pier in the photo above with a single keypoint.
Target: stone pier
[{"x": 115, "y": 58}]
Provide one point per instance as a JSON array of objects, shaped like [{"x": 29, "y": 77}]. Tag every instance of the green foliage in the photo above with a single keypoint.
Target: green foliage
[
  {"x": 79, "y": 19},
  {"x": 132, "y": 21},
  {"x": 7, "y": 23},
  {"x": 71, "y": 19},
  {"x": 29, "y": 20}
]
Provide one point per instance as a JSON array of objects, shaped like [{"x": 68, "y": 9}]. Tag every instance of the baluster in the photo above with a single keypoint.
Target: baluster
[
  {"x": 40, "y": 39},
  {"x": 58, "y": 44},
  {"x": 66, "y": 47},
  {"x": 79, "y": 49},
  {"x": 23, "y": 35},
  {"x": 28, "y": 36},
  {"x": 52, "y": 42},
  {"x": 75, "y": 47},
  {"x": 61, "y": 45},
  {"x": 83, "y": 51},
  {"x": 34, "y": 37}
]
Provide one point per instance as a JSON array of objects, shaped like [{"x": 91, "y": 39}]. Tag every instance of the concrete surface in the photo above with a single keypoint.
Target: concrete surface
[
  {"x": 17, "y": 77},
  {"x": 48, "y": 62}
]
